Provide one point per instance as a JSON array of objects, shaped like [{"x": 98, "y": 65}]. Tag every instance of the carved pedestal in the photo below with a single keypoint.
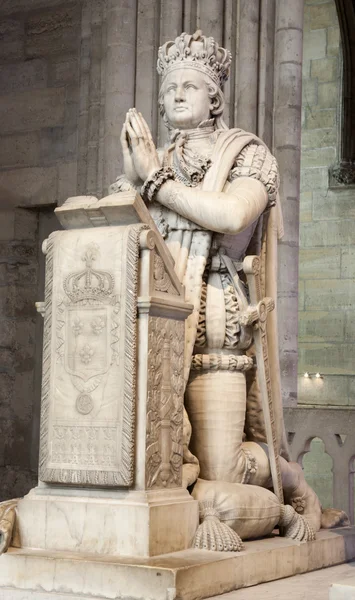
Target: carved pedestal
[
  {"x": 112, "y": 391},
  {"x": 109, "y": 499}
]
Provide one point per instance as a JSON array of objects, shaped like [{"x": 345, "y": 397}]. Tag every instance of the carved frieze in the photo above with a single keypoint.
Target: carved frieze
[{"x": 165, "y": 403}]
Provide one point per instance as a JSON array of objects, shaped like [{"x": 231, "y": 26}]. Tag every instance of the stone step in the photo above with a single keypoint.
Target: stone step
[
  {"x": 316, "y": 585},
  {"x": 29, "y": 574}
]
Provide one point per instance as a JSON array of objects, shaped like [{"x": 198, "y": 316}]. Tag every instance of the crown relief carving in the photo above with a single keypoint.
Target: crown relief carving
[
  {"x": 89, "y": 284},
  {"x": 195, "y": 52}
]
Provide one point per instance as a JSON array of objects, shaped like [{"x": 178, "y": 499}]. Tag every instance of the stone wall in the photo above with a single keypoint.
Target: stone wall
[
  {"x": 39, "y": 96},
  {"x": 18, "y": 292},
  {"x": 327, "y": 236}
]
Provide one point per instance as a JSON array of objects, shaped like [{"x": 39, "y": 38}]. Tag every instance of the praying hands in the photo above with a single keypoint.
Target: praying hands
[{"x": 139, "y": 152}]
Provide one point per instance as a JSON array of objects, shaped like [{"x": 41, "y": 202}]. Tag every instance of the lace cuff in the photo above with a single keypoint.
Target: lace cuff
[
  {"x": 121, "y": 185},
  {"x": 153, "y": 184}
]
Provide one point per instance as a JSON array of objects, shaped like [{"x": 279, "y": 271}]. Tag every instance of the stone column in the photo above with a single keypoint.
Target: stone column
[
  {"x": 120, "y": 83},
  {"x": 287, "y": 136},
  {"x": 266, "y": 72},
  {"x": 247, "y": 76},
  {"x": 146, "y": 76},
  {"x": 93, "y": 32}
]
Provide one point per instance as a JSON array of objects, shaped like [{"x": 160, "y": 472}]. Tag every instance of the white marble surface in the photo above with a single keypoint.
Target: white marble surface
[
  {"x": 309, "y": 586},
  {"x": 87, "y": 435},
  {"x": 186, "y": 575},
  {"x": 138, "y": 523},
  {"x": 344, "y": 588}
]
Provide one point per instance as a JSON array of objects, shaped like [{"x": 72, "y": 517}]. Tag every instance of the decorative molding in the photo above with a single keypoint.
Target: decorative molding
[
  {"x": 165, "y": 403},
  {"x": 342, "y": 174},
  {"x": 48, "y": 250},
  {"x": 221, "y": 362},
  {"x": 303, "y": 424}
]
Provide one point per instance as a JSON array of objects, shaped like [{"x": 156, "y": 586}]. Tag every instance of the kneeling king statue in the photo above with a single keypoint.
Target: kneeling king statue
[{"x": 213, "y": 194}]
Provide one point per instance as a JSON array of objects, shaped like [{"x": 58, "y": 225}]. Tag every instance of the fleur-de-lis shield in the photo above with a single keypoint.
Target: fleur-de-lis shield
[{"x": 87, "y": 349}]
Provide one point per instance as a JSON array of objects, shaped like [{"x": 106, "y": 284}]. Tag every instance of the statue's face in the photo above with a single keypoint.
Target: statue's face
[{"x": 185, "y": 97}]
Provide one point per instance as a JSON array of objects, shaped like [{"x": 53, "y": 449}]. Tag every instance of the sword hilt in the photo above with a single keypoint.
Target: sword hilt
[{"x": 256, "y": 314}]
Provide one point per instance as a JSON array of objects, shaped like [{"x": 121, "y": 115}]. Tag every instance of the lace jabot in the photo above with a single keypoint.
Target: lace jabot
[
  {"x": 189, "y": 165},
  {"x": 205, "y": 129}
]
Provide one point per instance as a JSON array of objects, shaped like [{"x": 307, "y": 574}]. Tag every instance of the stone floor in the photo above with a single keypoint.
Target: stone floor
[{"x": 310, "y": 586}]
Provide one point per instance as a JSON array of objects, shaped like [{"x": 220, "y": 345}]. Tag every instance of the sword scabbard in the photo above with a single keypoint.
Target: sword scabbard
[{"x": 263, "y": 306}]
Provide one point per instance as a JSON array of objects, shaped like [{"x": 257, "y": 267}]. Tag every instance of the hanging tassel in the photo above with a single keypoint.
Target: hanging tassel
[
  {"x": 294, "y": 525},
  {"x": 214, "y": 535}
]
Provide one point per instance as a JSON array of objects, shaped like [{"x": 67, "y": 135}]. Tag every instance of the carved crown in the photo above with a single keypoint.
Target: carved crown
[
  {"x": 89, "y": 284},
  {"x": 195, "y": 52}
]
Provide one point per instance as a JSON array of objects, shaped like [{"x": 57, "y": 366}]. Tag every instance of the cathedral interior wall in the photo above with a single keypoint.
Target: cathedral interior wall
[
  {"x": 327, "y": 234},
  {"x": 39, "y": 109},
  {"x": 69, "y": 70}
]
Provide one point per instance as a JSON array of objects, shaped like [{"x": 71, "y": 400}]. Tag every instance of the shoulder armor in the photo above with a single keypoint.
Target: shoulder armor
[{"x": 256, "y": 161}]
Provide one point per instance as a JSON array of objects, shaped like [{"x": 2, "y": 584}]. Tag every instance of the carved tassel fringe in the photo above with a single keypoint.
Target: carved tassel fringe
[
  {"x": 294, "y": 525},
  {"x": 214, "y": 535}
]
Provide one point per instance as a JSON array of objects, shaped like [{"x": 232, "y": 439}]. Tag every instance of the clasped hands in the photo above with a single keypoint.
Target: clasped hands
[{"x": 140, "y": 157}]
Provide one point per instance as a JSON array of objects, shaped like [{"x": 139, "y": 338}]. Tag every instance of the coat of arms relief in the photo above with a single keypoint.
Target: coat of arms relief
[
  {"x": 87, "y": 337},
  {"x": 89, "y": 389},
  {"x": 90, "y": 328}
]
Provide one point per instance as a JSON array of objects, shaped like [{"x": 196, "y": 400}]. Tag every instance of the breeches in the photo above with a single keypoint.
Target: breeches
[{"x": 216, "y": 405}]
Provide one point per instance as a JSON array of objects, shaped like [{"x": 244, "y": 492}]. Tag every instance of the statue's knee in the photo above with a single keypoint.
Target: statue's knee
[{"x": 257, "y": 463}]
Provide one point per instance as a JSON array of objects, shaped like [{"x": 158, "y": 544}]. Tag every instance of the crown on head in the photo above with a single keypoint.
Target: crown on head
[
  {"x": 89, "y": 284},
  {"x": 195, "y": 52}
]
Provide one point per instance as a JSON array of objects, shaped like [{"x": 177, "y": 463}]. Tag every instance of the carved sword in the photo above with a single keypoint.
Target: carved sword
[{"x": 256, "y": 315}]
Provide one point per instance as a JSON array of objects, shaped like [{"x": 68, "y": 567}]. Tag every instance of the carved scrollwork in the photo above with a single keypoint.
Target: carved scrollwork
[
  {"x": 162, "y": 281},
  {"x": 165, "y": 403}
]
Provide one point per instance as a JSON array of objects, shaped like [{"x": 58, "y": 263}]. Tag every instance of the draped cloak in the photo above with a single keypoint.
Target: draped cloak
[{"x": 190, "y": 246}]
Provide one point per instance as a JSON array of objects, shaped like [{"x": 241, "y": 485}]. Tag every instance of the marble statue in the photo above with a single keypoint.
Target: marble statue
[
  {"x": 161, "y": 430},
  {"x": 161, "y": 414},
  {"x": 213, "y": 194}
]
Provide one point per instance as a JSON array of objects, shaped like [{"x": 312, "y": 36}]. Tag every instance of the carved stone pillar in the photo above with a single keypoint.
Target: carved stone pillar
[
  {"x": 112, "y": 389},
  {"x": 287, "y": 142}
]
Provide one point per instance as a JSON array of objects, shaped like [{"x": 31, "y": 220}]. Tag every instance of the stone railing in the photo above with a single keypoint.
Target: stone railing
[{"x": 335, "y": 427}]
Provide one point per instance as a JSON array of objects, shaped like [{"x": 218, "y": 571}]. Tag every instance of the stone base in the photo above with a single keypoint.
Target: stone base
[
  {"x": 186, "y": 575},
  {"x": 133, "y": 523},
  {"x": 341, "y": 591}
]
